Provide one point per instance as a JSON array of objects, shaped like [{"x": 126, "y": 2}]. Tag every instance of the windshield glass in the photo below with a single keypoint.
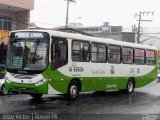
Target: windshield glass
[{"x": 27, "y": 55}]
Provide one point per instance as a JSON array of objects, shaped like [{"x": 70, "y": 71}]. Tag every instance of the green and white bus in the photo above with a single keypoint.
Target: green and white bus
[{"x": 55, "y": 62}]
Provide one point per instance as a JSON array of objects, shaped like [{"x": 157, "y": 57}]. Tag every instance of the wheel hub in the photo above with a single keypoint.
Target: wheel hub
[
  {"x": 73, "y": 91},
  {"x": 130, "y": 86}
]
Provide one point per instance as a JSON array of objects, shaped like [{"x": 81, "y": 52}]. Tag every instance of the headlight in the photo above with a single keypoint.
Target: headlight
[
  {"x": 6, "y": 79},
  {"x": 44, "y": 80}
]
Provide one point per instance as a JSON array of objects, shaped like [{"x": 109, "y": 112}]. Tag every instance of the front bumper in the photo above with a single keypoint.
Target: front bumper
[{"x": 27, "y": 88}]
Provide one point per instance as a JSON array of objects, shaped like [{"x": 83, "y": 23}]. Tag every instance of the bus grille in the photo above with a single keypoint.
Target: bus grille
[{"x": 22, "y": 76}]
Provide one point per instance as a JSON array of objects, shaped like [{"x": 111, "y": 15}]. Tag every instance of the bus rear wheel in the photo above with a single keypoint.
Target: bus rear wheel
[
  {"x": 130, "y": 86},
  {"x": 36, "y": 95},
  {"x": 73, "y": 91}
]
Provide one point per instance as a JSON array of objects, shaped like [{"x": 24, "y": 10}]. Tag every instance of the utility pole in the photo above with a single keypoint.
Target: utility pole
[
  {"x": 139, "y": 23},
  {"x": 68, "y": 1}
]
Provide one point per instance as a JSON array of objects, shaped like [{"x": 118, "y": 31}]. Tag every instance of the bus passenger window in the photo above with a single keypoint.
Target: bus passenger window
[
  {"x": 150, "y": 57},
  {"x": 139, "y": 58},
  {"x": 98, "y": 52},
  {"x": 114, "y": 54},
  {"x": 80, "y": 51},
  {"x": 127, "y": 55}
]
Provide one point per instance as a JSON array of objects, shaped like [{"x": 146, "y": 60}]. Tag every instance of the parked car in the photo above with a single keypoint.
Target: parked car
[{"x": 3, "y": 91}]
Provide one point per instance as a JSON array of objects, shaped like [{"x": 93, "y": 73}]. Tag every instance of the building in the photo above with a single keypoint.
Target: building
[
  {"x": 107, "y": 31},
  {"x": 75, "y": 25},
  {"x": 14, "y": 15}
]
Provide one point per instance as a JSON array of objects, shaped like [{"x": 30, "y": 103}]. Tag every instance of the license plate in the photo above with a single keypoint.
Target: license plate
[{"x": 22, "y": 89}]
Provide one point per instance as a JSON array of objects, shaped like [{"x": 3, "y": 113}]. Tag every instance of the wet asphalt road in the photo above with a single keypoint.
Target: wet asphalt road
[{"x": 143, "y": 101}]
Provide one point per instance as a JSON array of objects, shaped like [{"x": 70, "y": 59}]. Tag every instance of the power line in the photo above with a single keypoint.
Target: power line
[
  {"x": 142, "y": 20},
  {"x": 22, "y": 22},
  {"x": 150, "y": 37}
]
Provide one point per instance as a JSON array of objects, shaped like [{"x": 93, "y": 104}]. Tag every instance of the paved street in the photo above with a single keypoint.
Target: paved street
[{"x": 144, "y": 100}]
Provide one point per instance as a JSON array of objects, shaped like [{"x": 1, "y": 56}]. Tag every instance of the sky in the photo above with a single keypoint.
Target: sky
[{"x": 52, "y": 13}]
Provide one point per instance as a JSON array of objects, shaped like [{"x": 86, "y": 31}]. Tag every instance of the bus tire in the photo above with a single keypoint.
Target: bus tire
[
  {"x": 130, "y": 86},
  {"x": 73, "y": 91},
  {"x": 3, "y": 90},
  {"x": 36, "y": 95}
]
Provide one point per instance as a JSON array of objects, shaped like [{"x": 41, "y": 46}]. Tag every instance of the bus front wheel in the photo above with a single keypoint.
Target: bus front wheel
[
  {"x": 36, "y": 95},
  {"x": 3, "y": 90},
  {"x": 73, "y": 91},
  {"x": 130, "y": 86}
]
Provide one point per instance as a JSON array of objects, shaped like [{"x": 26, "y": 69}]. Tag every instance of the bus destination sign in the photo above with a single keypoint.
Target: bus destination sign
[{"x": 28, "y": 35}]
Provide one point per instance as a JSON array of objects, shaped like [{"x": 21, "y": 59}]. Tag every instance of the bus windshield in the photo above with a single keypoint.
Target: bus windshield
[{"x": 27, "y": 55}]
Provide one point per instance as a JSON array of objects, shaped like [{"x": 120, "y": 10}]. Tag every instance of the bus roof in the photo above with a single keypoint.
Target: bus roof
[{"x": 91, "y": 38}]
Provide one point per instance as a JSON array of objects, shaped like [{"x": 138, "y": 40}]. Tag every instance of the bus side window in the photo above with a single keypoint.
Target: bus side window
[
  {"x": 150, "y": 57},
  {"x": 98, "y": 53},
  {"x": 127, "y": 55},
  {"x": 59, "y": 52},
  {"x": 80, "y": 51},
  {"x": 114, "y": 54},
  {"x": 139, "y": 58}
]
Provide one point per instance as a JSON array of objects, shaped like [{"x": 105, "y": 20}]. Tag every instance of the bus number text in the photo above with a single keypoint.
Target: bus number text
[{"x": 76, "y": 69}]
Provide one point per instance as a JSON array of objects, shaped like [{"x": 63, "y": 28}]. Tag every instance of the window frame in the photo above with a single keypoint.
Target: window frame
[
  {"x": 140, "y": 56},
  {"x": 126, "y": 55},
  {"x": 114, "y": 54},
  {"x": 6, "y": 23},
  {"x": 89, "y": 50},
  {"x": 98, "y": 52},
  {"x": 150, "y": 57}
]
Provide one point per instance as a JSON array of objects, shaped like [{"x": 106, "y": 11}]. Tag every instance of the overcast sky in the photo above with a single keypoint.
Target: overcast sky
[{"x": 52, "y": 13}]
